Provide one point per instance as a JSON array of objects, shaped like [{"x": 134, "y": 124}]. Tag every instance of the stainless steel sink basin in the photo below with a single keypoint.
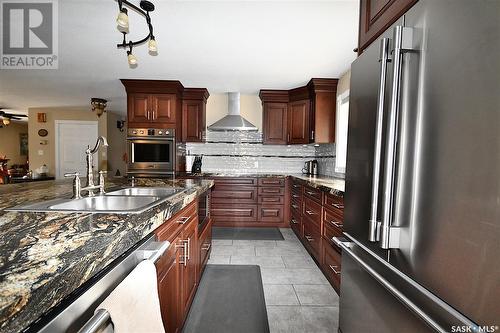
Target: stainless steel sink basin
[
  {"x": 147, "y": 191},
  {"x": 99, "y": 204}
]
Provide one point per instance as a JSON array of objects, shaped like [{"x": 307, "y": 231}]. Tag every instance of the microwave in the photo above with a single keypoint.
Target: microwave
[{"x": 151, "y": 152}]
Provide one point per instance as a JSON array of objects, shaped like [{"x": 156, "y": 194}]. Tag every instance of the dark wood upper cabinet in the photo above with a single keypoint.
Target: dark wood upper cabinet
[
  {"x": 275, "y": 123},
  {"x": 194, "y": 114},
  {"x": 375, "y": 16},
  {"x": 138, "y": 108},
  {"x": 298, "y": 122},
  {"x": 167, "y": 104},
  {"x": 301, "y": 115},
  {"x": 163, "y": 108}
]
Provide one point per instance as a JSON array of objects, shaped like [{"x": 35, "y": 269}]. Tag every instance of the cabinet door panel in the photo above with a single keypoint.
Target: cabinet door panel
[
  {"x": 376, "y": 16},
  {"x": 268, "y": 181},
  {"x": 275, "y": 123},
  {"x": 271, "y": 213},
  {"x": 169, "y": 287},
  {"x": 164, "y": 108},
  {"x": 298, "y": 122},
  {"x": 192, "y": 121},
  {"x": 189, "y": 235},
  {"x": 139, "y": 109}
]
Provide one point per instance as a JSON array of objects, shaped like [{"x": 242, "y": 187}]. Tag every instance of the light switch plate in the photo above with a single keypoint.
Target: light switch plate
[{"x": 40, "y": 152}]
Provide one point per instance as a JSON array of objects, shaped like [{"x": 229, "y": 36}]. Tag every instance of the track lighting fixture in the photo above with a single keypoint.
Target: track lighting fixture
[{"x": 123, "y": 26}]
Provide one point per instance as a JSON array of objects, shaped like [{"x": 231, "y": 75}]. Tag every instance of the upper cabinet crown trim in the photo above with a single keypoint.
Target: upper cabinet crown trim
[
  {"x": 153, "y": 86},
  {"x": 273, "y": 95}
]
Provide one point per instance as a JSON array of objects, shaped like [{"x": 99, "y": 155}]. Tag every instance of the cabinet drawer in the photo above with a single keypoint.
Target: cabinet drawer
[
  {"x": 297, "y": 194},
  {"x": 334, "y": 202},
  {"x": 296, "y": 207},
  {"x": 313, "y": 193},
  {"x": 330, "y": 232},
  {"x": 171, "y": 228},
  {"x": 234, "y": 213},
  {"x": 235, "y": 181},
  {"x": 271, "y": 213},
  {"x": 333, "y": 219},
  {"x": 312, "y": 238},
  {"x": 297, "y": 186},
  {"x": 271, "y": 199},
  {"x": 271, "y": 182},
  {"x": 272, "y": 190},
  {"x": 234, "y": 194},
  {"x": 331, "y": 265},
  {"x": 312, "y": 210}
]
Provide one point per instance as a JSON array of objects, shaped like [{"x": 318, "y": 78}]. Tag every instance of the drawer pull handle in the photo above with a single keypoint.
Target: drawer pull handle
[
  {"x": 292, "y": 221},
  {"x": 207, "y": 247},
  {"x": 185, "y": 252},
  {"x": 309, "y": 238},
  {"x": 310, "y": 212},
  {"x": 183, "y": 220},
  {"x": 334, "y": 269},
  {"x": 337, "y": 224},
  {"x": 295, "y": 195},
  {"x": 338, "y": 206},
  {"x": 296, "y": 186},
  {"x": 295, "y": 206},
  {"x": 311, "y": 193}
]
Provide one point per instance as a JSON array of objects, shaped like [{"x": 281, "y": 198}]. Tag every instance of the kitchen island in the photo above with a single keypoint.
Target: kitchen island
[{"x": 45, "y": 258}]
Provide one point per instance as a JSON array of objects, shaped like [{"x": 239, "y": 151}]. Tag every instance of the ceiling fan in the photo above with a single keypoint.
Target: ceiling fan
[{"x": 7, "y": 117}]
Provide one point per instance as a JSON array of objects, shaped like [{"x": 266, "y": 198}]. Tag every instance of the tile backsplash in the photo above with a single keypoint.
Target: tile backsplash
[{"x": 243, "y": 152}]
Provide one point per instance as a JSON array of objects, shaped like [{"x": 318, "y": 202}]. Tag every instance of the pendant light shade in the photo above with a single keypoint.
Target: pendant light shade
[
  {"x": 122, "y": 20},
  {"x": 152, "y": 46},
  {"x": 132, "y": 60}
]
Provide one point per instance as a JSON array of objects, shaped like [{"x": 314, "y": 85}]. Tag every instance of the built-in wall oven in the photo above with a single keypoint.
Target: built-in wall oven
[{"x": 151, "y": 152}]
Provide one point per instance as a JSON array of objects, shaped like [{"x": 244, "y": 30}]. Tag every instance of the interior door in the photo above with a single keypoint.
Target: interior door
[
  {"x": 72, "y": 139},
  {"x": 447, "y": 188}
]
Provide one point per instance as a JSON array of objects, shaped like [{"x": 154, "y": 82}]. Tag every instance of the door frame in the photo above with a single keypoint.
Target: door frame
[{"x": 57, "y": 124}]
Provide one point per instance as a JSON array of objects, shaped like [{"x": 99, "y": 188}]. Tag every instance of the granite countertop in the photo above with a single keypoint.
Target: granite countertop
[
  {"x": 45, "y": 257},
  {"x": 333, "y": 185}
]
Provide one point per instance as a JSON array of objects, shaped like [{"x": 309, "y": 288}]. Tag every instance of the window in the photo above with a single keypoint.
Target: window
[{"x": 341, "y": 131}]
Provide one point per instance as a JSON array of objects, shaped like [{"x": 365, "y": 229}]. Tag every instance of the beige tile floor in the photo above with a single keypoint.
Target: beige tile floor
[{"x": 298, "y": 296}]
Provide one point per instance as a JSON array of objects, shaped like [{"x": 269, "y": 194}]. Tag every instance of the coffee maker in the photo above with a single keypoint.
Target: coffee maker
[{"x": 311, "y": 168}]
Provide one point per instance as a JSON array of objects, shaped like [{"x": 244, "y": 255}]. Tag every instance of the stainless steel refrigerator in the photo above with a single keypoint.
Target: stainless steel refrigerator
[{"x": 421, "y": 251}]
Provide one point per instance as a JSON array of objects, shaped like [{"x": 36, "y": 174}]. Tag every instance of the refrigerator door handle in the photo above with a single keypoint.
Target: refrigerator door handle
[
  {"x": 374, "y": 225},
  {"x": 346, "y": 248},
  {"x": 402, "y": 43}
]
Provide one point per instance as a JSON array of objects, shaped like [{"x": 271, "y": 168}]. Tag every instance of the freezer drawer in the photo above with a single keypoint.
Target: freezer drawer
[
  {"x": 366, "y": 306},
  {"x": 386, "y": 299}
]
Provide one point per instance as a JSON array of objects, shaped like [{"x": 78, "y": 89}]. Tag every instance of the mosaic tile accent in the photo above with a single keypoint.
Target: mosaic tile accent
[{"x": 243, "y": 152}]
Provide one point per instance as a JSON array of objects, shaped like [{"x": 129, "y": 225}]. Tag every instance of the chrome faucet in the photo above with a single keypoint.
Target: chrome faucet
[
  {"x": 90, "y": 186},
  {"x": 90, "y": 159}
]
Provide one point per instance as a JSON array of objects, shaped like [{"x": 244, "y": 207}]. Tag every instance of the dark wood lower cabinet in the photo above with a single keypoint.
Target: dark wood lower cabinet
[
  {"x": 179, "y": 269},
  {"x": 247, "y": 202},
  {"x": 316, "y": 217},
  {"x": 169, "y": 287}
]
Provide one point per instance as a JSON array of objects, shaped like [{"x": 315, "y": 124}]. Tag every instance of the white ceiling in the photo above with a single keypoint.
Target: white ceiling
[{"x": 221, "y": 45}]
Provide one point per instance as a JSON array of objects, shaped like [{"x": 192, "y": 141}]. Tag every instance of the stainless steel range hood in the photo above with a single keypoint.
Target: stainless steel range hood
[{"x": 233, "y": 121}]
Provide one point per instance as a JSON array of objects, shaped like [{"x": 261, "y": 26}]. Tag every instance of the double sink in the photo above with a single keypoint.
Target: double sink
[{"x": 132, "y": 200}]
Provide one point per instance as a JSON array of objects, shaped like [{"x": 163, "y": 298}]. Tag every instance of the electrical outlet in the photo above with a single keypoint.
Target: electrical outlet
[{"x": 40, "y": 152}]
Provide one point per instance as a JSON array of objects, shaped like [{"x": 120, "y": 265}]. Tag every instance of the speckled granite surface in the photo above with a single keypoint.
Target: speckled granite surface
[
  {"x": 44, "y": 257},
  {"x": 333, "y": 185}
]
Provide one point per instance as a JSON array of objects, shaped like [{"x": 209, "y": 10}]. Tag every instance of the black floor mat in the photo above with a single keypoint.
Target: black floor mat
[
  {"x": 230, "y": 299},
  {"x": 247, "y": 233}
]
